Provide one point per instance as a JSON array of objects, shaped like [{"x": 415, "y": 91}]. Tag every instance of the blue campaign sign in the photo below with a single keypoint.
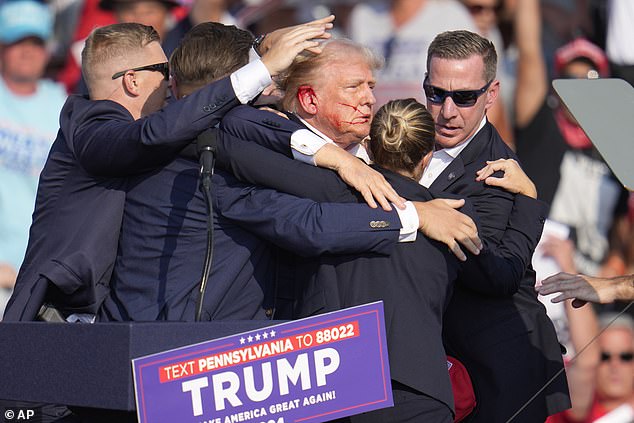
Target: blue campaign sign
[{"x": 310, "y": 370}]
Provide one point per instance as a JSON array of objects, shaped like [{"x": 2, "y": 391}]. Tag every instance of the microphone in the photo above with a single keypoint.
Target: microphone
[{"x": 206, "y": 149}]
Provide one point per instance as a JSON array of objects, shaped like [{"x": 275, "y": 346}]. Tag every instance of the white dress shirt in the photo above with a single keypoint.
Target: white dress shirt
[
  {"x": 250, "y": 80},
  {"x": 443, "y": 157}
]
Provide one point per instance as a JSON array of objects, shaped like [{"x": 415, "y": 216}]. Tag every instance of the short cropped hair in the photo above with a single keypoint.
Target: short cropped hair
[
  {"x": 111, "y": 42},
  {"x": 307, "y": 68},
  {"x": 209, "y": 51},
  {"x": 616, "y": 321},
  {"x": 401, "y": 134},
  {"x": 463, "y": 44}
]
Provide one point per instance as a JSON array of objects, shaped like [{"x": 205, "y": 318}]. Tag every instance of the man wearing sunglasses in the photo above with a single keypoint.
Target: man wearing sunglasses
[
  {"x": 507, "y": 342},
  {"x": 611, "y": 385},
  {"x": 117, "y": 132}
]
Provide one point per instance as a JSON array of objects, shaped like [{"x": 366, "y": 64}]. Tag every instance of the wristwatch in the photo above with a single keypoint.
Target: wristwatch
[{"x": 257, "y": 42}]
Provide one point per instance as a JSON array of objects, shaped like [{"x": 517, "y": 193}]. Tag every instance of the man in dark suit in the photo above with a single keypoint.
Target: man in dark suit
[
  {"x": 507, "y": 343},
  {"x": 163, "y": 237},
  {"x": 73, "y": 238},
  {"x": 514, "y": 224},
  {"x": 414, "y": 282},
  {"x": 322, "y": 292}
]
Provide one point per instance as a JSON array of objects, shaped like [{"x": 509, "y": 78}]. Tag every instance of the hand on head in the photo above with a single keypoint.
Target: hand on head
[{"x": 280, "y": 47}]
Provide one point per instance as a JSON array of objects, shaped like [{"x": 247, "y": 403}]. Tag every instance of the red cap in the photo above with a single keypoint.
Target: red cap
[
  {"x": 581, "y": 48},
  {"x": 463, "y": 394}
]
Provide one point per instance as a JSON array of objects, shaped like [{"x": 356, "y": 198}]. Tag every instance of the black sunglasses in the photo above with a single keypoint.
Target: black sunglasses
[
  {"x": 625, "y": 357},
  {"x": 164, "y": 68},
  {"x": 463, "y": 98}
]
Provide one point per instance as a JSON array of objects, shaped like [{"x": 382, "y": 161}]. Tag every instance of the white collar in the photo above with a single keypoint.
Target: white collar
[
  {"x": 457, "y": 149},
  {"x": 356, "y": 149}
]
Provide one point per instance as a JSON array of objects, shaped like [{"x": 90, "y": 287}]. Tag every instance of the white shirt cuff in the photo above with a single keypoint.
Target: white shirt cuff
[
  {"x": 250, "y": 80},
  {"x": 409, "y": 222},
  {"x": 305, "y": 144}
]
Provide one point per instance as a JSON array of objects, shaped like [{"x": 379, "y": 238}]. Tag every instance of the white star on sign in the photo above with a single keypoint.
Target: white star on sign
[
  {"x": 242, "y": 341},
  {"x": 249, "y": 338}
]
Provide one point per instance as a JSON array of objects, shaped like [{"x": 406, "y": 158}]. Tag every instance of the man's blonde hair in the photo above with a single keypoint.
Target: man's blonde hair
[
  {"x": 308, "y": 69},
  {"x": 113, "y": 42}
]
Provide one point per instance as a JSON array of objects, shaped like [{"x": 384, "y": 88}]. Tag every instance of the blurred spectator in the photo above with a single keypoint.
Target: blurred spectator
[
  {"x": 90, "y": 17},
  {"x": 401, "y": 31},
  {"x": 158, "y": 14},
  {"x": 554, "y": 151},
  {"x": 613, "y": 398},
  {"x": 485, "y": 15},
  {"x": 201, "y": 11},
  {"x": 564, "y": 20},
  {"x": 615, "y": 280},
  {"x": 154, "y": 13},
  {"x": 620, "y": 33},
  {"x": 29, "y": 111}
]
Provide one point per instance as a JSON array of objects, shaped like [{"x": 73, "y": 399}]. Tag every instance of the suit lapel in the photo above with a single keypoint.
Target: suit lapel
[
  {"x": 456, "y": 168},
  {"x": 451, "y": 174}
]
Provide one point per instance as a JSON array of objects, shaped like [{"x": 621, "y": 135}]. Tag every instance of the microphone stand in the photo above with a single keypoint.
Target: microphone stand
[{"x": 206, "y": 148}]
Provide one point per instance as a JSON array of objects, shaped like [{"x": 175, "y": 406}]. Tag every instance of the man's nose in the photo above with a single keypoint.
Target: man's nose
[
  {"x": 449, "y": 108},
  {"x": 368, "y": 97}
]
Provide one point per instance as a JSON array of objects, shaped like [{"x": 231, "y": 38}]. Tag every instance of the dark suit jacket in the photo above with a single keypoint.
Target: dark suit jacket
[
  {"x": 414, "y": 282},
  {"x": 510, "y": 227},
  {"x": 73, "y": 237},
  {"x": 508, "y": 344},
  {"x": 164, "y": 238},
  {"x": 499, "y": 267}
]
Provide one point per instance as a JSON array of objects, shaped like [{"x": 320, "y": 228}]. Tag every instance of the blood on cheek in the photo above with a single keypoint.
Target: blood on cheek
[{"x": 356, "y": 109}]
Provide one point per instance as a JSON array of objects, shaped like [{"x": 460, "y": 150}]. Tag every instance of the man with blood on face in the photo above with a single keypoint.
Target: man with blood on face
[{"x": 333, "y": 94}]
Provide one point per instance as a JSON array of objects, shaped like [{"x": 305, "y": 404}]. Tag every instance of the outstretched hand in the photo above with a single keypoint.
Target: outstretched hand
[
  {"x": 580, "y": 288},
  {"x": 280, "y": 47},
  {"x": 440, "y": 220},
  {"x": 514, "y": 179}
]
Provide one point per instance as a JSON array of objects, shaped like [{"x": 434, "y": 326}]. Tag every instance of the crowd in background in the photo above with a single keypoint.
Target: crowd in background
[{"x": 593, "y": 229}]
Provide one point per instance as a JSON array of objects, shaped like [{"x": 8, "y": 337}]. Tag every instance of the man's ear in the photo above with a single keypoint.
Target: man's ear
[
  {"x": 131, "y": 84},
  {"x": 174, "y": 88},
  {"x": 492, "y": 94},
  {"x": 307, "y": 99}
]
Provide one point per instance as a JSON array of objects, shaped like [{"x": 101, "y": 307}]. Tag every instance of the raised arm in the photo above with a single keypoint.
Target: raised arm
[
  {"x": 117, "y": 145},
  {"x": 532, "y": 79}
]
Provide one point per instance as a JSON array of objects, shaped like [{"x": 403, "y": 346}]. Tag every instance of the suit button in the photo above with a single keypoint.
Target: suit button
[
  {"x": 379, "y": 224},
  {"x": 206, "y": 109}
]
